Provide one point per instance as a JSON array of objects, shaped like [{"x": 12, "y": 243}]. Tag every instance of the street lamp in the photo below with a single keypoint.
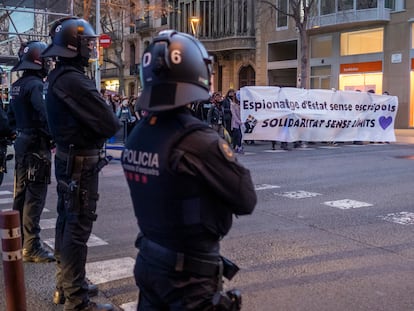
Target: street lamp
[{"x": 195, "y": 23}]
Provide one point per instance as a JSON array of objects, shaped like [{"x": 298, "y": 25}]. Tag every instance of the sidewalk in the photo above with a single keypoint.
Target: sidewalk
[
  {"x": 405, "y": 136},
  {"x": 40, "y": 284}
]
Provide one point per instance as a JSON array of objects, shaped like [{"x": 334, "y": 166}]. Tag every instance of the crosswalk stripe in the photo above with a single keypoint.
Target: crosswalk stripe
[
  {"x": 347, "y": 204},
  {"x": 130, "y": 306},
  {"x": 329, "y": 147},
  {"x": 298, "y": 194},
  {"x": 6, "y": 201},
  {"x": 110, "y": 270},
  {"x": 5, "y": 192},
  {"x": 48, "y": 223},
  {"x": 402, "y": 218},
  {"x": 275, "y": 151},
  {"x": 265, "y": 187},
  {"x": 93, "y": 241}
]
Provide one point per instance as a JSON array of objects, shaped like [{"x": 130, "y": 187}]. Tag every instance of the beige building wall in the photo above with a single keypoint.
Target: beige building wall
[
  {"x": 397, "y": 62},
  {"x": 396, "y": 57}
]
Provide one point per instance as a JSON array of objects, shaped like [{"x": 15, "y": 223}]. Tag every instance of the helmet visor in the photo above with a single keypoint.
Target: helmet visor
[{"x": 89, "y": 47}]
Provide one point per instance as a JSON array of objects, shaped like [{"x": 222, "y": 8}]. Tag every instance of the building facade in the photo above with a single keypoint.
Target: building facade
[
  {"x": 226, "y": 28},
  {"x": 353, "y": 45}
]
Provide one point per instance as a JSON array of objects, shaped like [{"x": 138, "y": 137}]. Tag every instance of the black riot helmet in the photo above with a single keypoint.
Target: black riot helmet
[
  {"x": 175, "y": 71},
  {"x": 72, "y": 37},
  {"x": 30, "y": 56}
]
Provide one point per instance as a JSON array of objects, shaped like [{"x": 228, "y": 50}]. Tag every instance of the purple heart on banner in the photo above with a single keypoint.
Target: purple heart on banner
[{"x": 385, "y": 122}]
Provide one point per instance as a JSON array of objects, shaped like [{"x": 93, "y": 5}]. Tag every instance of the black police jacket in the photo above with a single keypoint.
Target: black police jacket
[
  {"x": 77, "y": 114},
  {"x": 27, "y": 110},
  {"x": 185, "y": 182},
  {"x": 5, "y": 129}
]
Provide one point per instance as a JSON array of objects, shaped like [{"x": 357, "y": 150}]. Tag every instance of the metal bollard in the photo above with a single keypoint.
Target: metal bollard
[{"x": 12, "y": 261}]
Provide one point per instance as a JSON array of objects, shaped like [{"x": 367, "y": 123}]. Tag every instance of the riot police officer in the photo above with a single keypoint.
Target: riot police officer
[
  {"x": 7, "y": 135},
  {"x": 5, "y": 129},
  {"x": 27, "y": 115},
  {"x": 80, "y": 121},
  {"x": 185, "y": 183}
]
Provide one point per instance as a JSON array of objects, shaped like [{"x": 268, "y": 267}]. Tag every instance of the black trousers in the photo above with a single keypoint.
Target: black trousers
[
  {"x": 29, "y": 196},
  {"x": 161, "y": 288},
  {"x": 73, "y": 228}
]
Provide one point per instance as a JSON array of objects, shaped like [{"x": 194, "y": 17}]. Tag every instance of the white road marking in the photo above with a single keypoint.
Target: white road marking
[
  {"x": 329, "y": 147},
  {"x": 304, "y": 148},
  {"x": 110, "y": 270},
  {"x": 275, "y": 151},
  {"x": 6, "y": 201},
  {"x": 347, "y": 204},
  {"x": 402, "y": 218},
  {"x": 5, "y": 192},
  {"x": 265, "y": 187},
  {"x": 93, "y": 241},
  {"x": 48, "y": 223},
  {"x": 130, "y": 306},
  {"x": 298, "y": 194}
]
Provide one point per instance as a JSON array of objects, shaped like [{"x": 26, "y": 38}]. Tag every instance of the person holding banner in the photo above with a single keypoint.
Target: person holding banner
[{"x": 236, "y": 123}]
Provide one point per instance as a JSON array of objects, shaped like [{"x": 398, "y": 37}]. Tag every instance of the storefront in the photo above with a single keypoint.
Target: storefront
[
  {"x": 111, "y": 85},
  {"x": 364, "y": 77}
]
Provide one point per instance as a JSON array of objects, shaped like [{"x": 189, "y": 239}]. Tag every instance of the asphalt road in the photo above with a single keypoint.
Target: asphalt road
[{"x": 333, "y": 230}]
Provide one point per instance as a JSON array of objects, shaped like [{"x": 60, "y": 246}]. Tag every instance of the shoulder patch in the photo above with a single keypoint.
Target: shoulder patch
[{"x": 226, "y": 150}]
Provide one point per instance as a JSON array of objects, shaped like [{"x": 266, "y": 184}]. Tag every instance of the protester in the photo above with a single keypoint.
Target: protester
[
  {"x": 80, "y": 122},
  {"x": 236, "y": 124},
  {"x": 228, "y": 99},
  {"x": 185, "y": 183},
  {"x": 215, "y": 117}
]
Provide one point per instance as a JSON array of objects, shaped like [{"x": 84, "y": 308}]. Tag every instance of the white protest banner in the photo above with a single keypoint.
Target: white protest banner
[{"x": 291, "y": 114}]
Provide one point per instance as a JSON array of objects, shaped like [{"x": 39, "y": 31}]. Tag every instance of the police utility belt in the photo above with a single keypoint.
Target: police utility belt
[
  {"x": 81, "y": 165},
  {"x": 181, "y": 262}
]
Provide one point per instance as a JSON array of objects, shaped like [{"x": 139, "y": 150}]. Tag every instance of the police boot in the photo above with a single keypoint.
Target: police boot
[
  {"x": 38, "y": 254},
  {"x": 92, "y": 306},
  {"x": 59, "y": 297}
]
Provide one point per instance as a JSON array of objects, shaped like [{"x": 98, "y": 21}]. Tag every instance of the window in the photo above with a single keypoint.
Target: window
[
  {"x": 320, "y": 77},
  {"x": 344, "y": 5},
  {"x": 395, "y": 5},
  {"x": 247, "y": 76},
  {"x": 362, "y": 82},
  {"x": 366, "y": 4},
  {"x": 281, "y": 51},
  {"x": 321, "y": 46},
  {"x": 327, "y": 7},
  {"x": 282, "y": 18},
  {"x": 286, "y": 77},
  {"x": 362, "y": 42}
]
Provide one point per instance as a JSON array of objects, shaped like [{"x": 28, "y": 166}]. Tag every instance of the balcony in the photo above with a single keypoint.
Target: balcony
[
  {"x": 109, "y": 73},
  {"x": 351, "y": 17},
  {"x": 143, "y": 24},
  {"x": 230, "y": 43}
]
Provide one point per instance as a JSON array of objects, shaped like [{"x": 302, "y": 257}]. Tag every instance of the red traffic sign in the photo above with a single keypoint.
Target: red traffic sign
[{"x": 105, "y": 41}]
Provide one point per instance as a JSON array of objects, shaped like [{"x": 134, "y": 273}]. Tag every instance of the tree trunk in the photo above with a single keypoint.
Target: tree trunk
[{"x": 304, "y": 58}]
